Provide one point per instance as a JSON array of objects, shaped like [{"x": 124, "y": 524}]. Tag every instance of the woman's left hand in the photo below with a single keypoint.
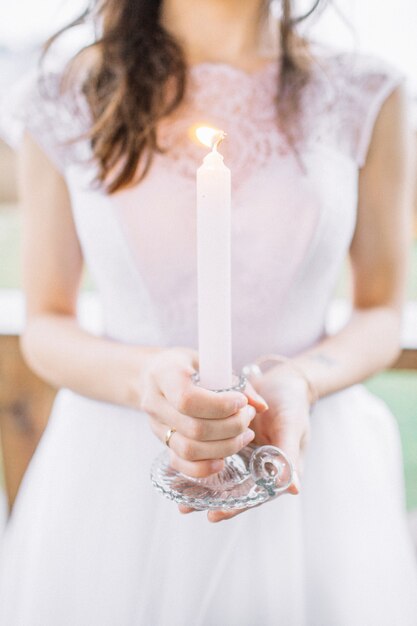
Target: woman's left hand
[{"x": 285, "y": 422}]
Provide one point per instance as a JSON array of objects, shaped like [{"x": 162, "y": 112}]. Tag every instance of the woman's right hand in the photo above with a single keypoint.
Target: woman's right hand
[{"x": 209, "y": 425}]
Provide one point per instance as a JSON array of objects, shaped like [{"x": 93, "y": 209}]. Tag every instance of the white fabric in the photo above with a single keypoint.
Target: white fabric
[{"x": 90, "y": 541}]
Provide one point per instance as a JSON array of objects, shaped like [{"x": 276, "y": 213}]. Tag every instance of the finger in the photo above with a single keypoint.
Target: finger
[
  {"x": 299, "y": 469},
  {"x": 201, "y": 429},
  {"x": 191, "y": 399},
  {"x": 289, "y": 442},
  {"x": 295, "y": 487},
  {"x": 191, "y": 450},
  {"x": 218, "y": 515},
  {"x": 186, "y": 509},
  {"x": 195, "y": 469},
  {"x": 254, "y": 399}
]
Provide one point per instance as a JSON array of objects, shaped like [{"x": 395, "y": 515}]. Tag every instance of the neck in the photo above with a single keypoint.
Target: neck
[{"x": 232, "y": 31}]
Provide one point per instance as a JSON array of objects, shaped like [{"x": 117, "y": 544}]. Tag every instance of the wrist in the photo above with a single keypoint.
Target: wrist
[
  {"x": 139, "y": 360},
  {"x": 275, "y": 363}
]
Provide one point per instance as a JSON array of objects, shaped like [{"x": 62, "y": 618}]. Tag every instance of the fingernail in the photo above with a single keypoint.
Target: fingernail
[
  {"x": 261, "y": 401},
  {"x": 217, "y": 465},
  {"x": 248, "y": 436}
]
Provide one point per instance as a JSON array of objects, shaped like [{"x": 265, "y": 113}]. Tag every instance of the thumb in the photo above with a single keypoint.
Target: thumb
[
  {"x": 289, "y": 443},
  {"x": 254, "y": 399}
]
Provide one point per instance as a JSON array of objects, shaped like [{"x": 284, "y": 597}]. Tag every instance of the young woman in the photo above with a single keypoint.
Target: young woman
[{"x": 318, "y": 145}]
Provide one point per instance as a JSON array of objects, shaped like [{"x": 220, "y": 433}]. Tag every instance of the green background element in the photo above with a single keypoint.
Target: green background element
[
  {"x": 9, "y": 249},
  {"x": 397, "y": 389}
]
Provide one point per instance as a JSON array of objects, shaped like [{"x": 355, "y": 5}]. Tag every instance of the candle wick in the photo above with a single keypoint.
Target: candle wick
[{"x": 219, "y": 138}]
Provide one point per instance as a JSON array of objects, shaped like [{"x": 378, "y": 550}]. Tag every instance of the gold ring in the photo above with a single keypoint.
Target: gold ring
[{"x": 168, "y": 435}]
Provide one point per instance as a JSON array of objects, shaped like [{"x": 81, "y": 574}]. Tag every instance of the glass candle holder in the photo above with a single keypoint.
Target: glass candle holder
[{"x": 250, "y": 477}]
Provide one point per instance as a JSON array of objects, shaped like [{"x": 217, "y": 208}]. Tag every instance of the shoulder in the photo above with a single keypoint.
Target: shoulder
[
  {"x": 353, "y": 70},
  {"x": 352, "y": 88},
  {"x": 49, "y": 104},
  {"x": 59, "y": 93}
]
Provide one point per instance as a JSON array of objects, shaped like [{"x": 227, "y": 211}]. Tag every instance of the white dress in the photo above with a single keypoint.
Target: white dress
[{"x": 90, "y": 542}]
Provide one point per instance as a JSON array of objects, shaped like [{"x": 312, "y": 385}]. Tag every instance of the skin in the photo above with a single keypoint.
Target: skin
[{"x": 157, "y": 380}]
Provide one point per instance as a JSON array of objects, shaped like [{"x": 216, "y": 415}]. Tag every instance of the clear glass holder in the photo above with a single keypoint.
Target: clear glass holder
[{"x": 250, "y": 477}]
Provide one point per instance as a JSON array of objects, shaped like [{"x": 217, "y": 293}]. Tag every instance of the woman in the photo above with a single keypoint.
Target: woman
[{"x": 322, "y": 170}]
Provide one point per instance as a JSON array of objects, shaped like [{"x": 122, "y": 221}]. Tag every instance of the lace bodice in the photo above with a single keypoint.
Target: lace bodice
[
  {"x": 292, "y": 219},
  {"x": 338, "y": 108}
]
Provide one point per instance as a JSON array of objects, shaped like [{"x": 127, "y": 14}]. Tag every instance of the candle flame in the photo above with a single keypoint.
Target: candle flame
[{"x": 210, "y": 137}]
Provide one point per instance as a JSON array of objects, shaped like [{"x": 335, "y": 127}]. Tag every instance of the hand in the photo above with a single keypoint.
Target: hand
[
  {"x": 209, "y": 425},
  {"x": 285, "y": 424}
]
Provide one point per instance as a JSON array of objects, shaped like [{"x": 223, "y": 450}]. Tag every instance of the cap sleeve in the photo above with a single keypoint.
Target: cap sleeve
[
  {"x": 344, "y": 99},
  {"x": 38, "y": 105},
  {"x": 373, "y": 85}
]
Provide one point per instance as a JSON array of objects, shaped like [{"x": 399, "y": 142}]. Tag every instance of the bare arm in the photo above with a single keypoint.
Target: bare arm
[
  {"x": 53, "y": 343},
  {"x": 378, "y": 255}
]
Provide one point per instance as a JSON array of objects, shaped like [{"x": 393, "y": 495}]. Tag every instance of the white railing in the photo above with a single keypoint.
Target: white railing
[{"x": 12, "y": 315}]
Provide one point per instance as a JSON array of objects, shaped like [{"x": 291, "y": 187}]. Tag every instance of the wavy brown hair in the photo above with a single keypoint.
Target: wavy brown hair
[{"x": 138, "y": 76}]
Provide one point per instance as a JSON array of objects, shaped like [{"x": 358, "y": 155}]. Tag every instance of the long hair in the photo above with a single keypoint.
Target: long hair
[{"x": 138, "y": 76}]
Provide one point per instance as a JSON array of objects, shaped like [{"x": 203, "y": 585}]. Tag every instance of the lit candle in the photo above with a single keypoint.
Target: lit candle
[{"x": 213, "y": 258}]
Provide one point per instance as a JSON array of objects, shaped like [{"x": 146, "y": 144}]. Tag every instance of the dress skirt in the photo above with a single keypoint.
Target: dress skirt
[{"x": 91, "y": 543}]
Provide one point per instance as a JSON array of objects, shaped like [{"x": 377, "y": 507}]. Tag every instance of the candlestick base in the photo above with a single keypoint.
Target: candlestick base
[{"x": 252, "y": 476}]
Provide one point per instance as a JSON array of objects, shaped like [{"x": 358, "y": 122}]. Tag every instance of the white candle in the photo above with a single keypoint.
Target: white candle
[{"x": 213, "y": 257}]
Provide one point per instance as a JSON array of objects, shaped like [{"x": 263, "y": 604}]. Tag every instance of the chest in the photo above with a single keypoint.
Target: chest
[{"x": 285, "y": 219}]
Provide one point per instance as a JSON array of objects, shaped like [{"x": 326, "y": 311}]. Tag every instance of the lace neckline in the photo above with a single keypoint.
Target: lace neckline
[{"x": 268, "y": 67}]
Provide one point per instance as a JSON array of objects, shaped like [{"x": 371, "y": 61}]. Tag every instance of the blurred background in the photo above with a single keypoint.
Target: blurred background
[{"x": 382, "y": 27}]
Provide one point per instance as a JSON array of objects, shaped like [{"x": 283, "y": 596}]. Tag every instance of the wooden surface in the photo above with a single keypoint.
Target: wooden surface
[
  {"x": 8, "y": 191},
  {"x": 25, "y": 404},
  {"x": 407, "y": 360}
]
